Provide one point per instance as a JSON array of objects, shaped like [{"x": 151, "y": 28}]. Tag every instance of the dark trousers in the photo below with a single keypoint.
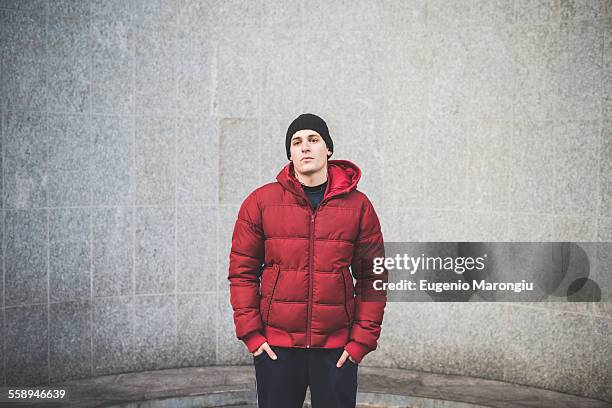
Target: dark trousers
[{"x": 282, "y": 383}]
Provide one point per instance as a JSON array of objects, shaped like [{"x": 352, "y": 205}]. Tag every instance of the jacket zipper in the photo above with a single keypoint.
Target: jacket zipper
[
  {"x": 310, "y": 260},
  {"x": 313, "y": 214}
]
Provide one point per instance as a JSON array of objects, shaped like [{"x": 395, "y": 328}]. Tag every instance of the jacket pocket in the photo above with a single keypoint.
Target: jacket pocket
[
  {"x": 346, "y": 311},
  {"x": 276, "y": 272}
]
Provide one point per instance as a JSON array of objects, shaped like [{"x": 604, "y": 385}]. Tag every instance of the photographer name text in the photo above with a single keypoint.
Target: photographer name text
[{"x": 425, "y": 285}]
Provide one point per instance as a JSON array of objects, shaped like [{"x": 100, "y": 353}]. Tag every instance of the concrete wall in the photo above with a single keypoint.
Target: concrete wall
[{"x": 132, "y": 131}]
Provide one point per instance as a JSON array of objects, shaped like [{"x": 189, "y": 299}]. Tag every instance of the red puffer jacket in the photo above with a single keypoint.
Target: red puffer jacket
[{"x": 300, "y": 260}]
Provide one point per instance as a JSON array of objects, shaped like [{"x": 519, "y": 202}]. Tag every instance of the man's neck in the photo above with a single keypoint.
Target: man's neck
[{"x": 314, "y": 179}]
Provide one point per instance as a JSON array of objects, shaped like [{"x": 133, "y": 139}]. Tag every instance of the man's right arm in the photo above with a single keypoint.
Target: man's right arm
[{"x": 246, "y": 259}]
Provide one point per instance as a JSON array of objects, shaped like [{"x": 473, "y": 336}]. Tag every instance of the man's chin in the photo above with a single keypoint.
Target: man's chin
[{"x": 307, "y": 168}]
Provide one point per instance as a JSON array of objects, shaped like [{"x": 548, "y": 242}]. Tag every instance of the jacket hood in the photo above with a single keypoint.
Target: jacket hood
[{"x": 342, "y": 177}]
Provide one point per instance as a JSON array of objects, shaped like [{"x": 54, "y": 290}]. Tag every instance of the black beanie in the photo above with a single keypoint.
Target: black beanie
[{"x": 312, "y": 122}]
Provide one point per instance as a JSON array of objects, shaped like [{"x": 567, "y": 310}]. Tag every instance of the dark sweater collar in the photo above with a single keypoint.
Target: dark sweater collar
[{"x": 312, "y": 189}]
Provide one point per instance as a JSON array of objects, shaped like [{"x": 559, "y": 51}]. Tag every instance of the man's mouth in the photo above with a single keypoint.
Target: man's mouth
[{"x": 307, "y": 158}]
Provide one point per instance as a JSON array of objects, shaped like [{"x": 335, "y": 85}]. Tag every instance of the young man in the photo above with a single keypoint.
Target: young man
[{"x": 295, "y": 305}]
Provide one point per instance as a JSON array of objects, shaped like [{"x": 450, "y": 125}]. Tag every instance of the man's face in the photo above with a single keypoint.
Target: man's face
[{"x": 308, "y": 151}]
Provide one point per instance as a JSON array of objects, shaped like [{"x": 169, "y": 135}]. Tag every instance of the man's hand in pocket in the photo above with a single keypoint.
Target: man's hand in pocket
[
  {"x": 343, "y": 358},
  {"x": 265, "y": 348}
]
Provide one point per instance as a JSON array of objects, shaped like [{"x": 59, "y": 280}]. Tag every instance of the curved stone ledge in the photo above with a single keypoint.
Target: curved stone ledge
[{"x": 234, "y": 386}]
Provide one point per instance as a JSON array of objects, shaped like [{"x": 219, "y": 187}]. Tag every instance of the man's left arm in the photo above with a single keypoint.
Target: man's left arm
[{"x": 369, "y": 303}]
